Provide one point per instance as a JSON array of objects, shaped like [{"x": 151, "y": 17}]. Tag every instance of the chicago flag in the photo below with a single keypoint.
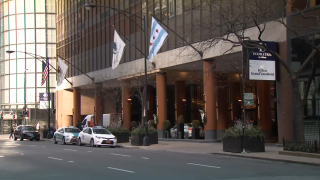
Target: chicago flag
[{"x": 157, "y": 36}]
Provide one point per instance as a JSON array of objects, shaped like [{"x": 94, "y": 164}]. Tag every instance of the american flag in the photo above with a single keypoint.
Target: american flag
[{"x": 45, "y": 72}]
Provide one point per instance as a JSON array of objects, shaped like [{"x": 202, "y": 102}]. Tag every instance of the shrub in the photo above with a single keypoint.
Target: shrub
[
  {"x": 249, "y": 130},
  {"x": 134, "y": 124},
  {"x": 166, "y": 124},
  {"x": 141, "y": 130},
  {"x": 180, "y": 119},
  {"x": 195, "y": 123},
  {"x": 119, "y": 130}
]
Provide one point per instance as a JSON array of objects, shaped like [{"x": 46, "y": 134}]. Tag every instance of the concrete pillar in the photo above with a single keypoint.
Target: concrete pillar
[
  {"x": 161, "y": 102},
  {"x": 151, "y": 102},
  {"x": 265, "y": 121},
  {"x": 180, "y": 94},
  {"x": 236, "y": 105},
  {"x": 222, "y": 122},
  {"x": 126, "y": 107},
  {"x": 284, "y": 100},
  {"x": 76, "y": 106},
  {"x": 210, "y": 88},
  {"x": 97, "y": 109}
]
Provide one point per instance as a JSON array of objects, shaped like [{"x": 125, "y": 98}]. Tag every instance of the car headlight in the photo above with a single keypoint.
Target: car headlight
[
  {"x": 98, "y": 137},
  {"x": 70, "y": 136}
]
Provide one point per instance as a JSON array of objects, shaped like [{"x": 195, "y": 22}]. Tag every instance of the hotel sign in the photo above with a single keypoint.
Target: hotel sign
[{"x": 262, "y": 64}]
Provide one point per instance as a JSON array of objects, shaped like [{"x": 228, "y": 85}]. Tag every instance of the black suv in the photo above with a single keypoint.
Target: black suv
[{"x": 26, "y": 132}]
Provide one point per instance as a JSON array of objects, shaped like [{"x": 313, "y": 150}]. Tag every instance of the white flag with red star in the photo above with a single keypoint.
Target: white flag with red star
[{"x": 157, "y": 36}]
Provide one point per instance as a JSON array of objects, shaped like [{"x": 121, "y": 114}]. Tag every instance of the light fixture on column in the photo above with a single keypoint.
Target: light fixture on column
[
  {"x": 129, "y": 99},
  {"x": 184, "y": 100},
  {"x": 239, "y": 100}
]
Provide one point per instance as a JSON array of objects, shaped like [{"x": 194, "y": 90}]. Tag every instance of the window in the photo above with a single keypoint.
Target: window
[
  {"x": 6, "y": 79},
  {"x": 51, "y": 6},
  {"x": 6, "y": 24},
  {"x": 12, "y": 7},
  {"x": 20, "y": 95},
  {"x": 20, "y": 38},
  {"x": 13, "y": 81},
  {"x": 31, "y": 66},
  {"x": 51, "y": 34},
  {"x": 179, "y": 7},
  {"x": 30, "y": 36},
  {"x": 6, "y": 38},
  {"x": 12, "y": 22},
  {"x": 41, "y": 50},
  {"x": 30, "y": 95},
  {"x": 20, "y": 21},
  {"x": 6, "y": 66},
  {"x": 41, "y": 35},
  {"x": 30, "y": 80},
  {"x": 6, "y": 96},
  {"x": 13, "y": 66},
  {"x": 29, "y": 20},
  {"x": 5, "y": 8},
  {"x": 51, "y": 21},
  {"x": 13, "y": 96},
  {"x": 20, "y": 6},
  {"x": 40, "y": 21},
  {"x": 13, "y": 37},
  {"x": 29, "y": 5},
  {"x": 20, "y": 80},
  {"x": 40, "y": 6},
  {"x": 20, "y": 68},
  {"x": 39, "y": 79},
  {"x": 30, "y": 48},
  {"x": 52, "y": 51}
]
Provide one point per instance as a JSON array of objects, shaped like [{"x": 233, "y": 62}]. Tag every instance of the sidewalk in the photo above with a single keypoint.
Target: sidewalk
[{"x": 271, "y": 154}]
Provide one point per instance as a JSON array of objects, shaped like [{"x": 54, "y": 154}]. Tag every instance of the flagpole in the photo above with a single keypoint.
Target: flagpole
[{"x": 146, "y": 138}]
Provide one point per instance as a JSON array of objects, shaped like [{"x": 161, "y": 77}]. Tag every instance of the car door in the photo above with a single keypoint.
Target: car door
[
  {"x": 61, "y": 134},
  {"x": 17, "y": 132},
  {"x": 83, "y": 135},
  {"x": 89, "y": 135}
]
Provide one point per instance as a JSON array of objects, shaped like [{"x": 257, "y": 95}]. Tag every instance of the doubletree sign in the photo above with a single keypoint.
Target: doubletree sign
[{"x": 262, "y": 64}]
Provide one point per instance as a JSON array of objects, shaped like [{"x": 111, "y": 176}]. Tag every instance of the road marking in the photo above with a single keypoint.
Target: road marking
[
  {"x": 145, "y": 158},
  {"x": 32, "y": 145},
  {"x": 22, "y": 154},
  {"x": 204, "y": 165},
  {"x": 70, "y": 161},
  {"x": 70, "y": 150},
  {"x": 121, "y": 170},
  {"x": 120, "y": 155},
  {"x": 1, "y": 156},
  {"x": 43, "y": 146},
  {"x": 55, "y": 158},
  {"x": 89, "y": 151}
]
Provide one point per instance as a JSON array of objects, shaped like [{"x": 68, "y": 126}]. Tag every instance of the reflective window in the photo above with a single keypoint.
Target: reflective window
[
  {"x": 30, "y": 36},
  {"x": 20, "y": 39},
  {"x": 20, "y": 80},
  {"x": 51, "y": 6},
  {"x": 6, "y": 38},
  {"x": 5, "y": 23},
  {"x": 13, "y": 81},
  {"x": 20, "y": 20},
  {"x": 13, "y": 96},
  {"x": 12, "y": 7},
  {"x": 6, "y": 66},
  {"x": 13, "y": 37},
  {"x": 52, "y": 51},
  {"x": 20, "y": 6},
  {"x": 6, "y": 96},
  {"x": 5, "y": 8},
  {"x": 20, "y": 95},
  {"x": 30, "y": 80},
  {"x": 41, "y": 50},
  {"x": 13, "y": 66},
  {"x": 40, "y": 21},
  {"x": 51, "y": 36},
  {"x": 6, "y": 79},
  {"x": 12, "y": 21},
  {"x": 39, "y": 79},
  {"x": 29, "y": 6},
  {"x": 30, "y": 21},
  {"x": 179, "y": 7},
  {"x": 51, "y": 21},
  {"x": 30, "y": 65},
  {"x": 30, "y": 48},
  {"x": 40, "y": 6},
  {"x": 30, "y": 95},
  {"x": 41, "y": 35}
]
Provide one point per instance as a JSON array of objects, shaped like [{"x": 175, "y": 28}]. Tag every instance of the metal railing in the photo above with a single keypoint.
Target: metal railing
[{"x": 302, "y": 146}]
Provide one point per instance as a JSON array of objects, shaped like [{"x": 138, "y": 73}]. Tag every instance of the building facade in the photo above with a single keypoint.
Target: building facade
[
  {"x": 180, "y": 81},
  {"x": 27, "y": 26}
]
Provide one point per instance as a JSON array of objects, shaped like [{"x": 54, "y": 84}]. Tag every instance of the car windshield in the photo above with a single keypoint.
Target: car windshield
[
  {"x": 72, "y": 130},
  {"x": 29, "y": 128},
  {"x": 101, "y": 131}
]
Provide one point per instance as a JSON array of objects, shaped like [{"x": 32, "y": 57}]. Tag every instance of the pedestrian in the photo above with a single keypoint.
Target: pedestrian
[
  {"x": 38, "y": 126},
  {"x": 79, "y": 125},
  {"x": 11, "y": 132}
]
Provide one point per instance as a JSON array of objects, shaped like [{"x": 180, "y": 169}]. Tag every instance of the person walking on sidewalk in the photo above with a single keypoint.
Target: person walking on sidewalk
[{"x": 11, "y": 132}]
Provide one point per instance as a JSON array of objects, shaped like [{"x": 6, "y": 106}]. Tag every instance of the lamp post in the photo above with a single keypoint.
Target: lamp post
[
  {"x": 144, "y": 29},
  {"x": 25, "y": 101},
  {"x": 39, "y": 58}
]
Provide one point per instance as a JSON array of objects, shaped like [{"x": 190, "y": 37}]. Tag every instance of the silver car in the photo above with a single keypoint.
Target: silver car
[{"x": 187, "y": 131}]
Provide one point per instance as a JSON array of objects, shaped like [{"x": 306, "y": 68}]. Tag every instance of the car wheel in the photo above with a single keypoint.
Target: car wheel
[
  {"x": 38, "y": 139},
  {"x": 14, "y": 137},
  {"x": 31, "y": 139},
  {"x": 55, "y": 140},
  {"x": 99, "y": 146},
  {"x": 63, "y": 141},
  {"x": 79, "y": 142},
  {"x": 21, "y": 137},
  {"x": 92, "y": 143}
]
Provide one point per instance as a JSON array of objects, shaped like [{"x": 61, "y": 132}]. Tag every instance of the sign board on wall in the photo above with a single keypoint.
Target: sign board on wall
[
  {"x": 44, "y": 101},
  {"x": 262, "y": 64},
  {"x": 248, "y": 99}
]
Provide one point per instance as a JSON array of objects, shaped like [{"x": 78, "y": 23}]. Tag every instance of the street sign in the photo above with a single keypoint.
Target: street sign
[{"x": 248, "y": 99}]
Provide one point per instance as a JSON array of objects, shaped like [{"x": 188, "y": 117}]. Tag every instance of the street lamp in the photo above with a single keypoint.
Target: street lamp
[
  {"x": 39, "y": 58},
  {"x": 144, "y": 29}
]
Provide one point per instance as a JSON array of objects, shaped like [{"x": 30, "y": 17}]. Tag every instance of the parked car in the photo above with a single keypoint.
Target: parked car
[
  {"x": 26, "y": 132},
  {"x": 97, "y": 136},
  {"x": 187, "y": 131},
  {"x": 66, "y": 135}
]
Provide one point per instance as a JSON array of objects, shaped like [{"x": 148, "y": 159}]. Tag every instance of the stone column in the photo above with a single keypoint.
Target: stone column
[
  {"x": 98, "y": 109},
  {"x": 265, "y": 121},
  {"x": 76, "y": 106},
  {"x": 161, "y": 102},
  {"x": 180, "y": 94},
  {"x": 151, "y": 103},
  {"x": 210, "y": 84},
  {"x": 126, "y": 107},
  {"x": 236, "y": 105},
  {"x": 222, "y": 122}
]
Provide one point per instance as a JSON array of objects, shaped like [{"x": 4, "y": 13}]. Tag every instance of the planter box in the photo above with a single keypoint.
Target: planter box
[
  {"x": 181, "y": 130},
  {"x": 232, "y": 144},
  {"x": 195, "y": 133},
  {"x": 254, "y": 144},
  {"x": 122, "y": 137},
  {"x": 44, "y": 134},
  {"x": 153, "y": 138},
  {"x": 137, "y": 140}
]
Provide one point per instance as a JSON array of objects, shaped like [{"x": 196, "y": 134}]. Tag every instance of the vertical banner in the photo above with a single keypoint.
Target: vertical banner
[{"x": 118, "y": 48}]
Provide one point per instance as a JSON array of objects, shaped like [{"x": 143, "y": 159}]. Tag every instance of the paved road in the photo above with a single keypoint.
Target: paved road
[{"x": 25, "y": 160}]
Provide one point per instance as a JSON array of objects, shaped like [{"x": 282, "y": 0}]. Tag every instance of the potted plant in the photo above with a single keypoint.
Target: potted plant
[
  {"x": 133, "y": 125},
  {"x": 195, "y": 129},
  {"x": 138, "y": 134},
  {"x": 252, "y": 141},
  {"x": 180, "y": 127},
  {"x": 151, "y": 123},
  {"x": 166, "y": 125},
  {"x": 44, "y": 132},
  {"x": 121, "y": 134}
]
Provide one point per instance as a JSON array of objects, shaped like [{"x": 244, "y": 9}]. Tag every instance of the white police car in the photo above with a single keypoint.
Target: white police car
[
  {"x": 66, "y": 135},
  {"x": 96, "y": 136}
]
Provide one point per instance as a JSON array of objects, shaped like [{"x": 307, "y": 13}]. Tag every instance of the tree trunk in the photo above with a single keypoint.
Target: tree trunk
[{"x": 298, "y": 131}]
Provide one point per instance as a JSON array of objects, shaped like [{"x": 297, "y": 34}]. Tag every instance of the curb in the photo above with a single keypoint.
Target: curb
[
  {"x": 189, "y": 140},
  {"x": 128, "y": 147},
  {"x": 300, "y": 154},
  {"x": 267, "y": 159}
]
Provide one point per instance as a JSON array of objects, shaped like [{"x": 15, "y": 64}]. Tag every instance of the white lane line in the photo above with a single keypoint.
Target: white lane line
[
  {"x": 32, "y": 145},
  {"x": 120, "y": 155},
  {"x": 145, "y": 158},
  {"x": 89, "y": 151},
  {"x": 121, "y": 170},
  {"x": 22, "y": 154},
  {"x": 1, "y": 156},
  {"x": 70, "y": 150},
  {"x": 204, "y": 165},
  {"x": 71, "y": 161},
  {"x": 55, "y": 158},
  {"x": 43, "y": 146}
]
